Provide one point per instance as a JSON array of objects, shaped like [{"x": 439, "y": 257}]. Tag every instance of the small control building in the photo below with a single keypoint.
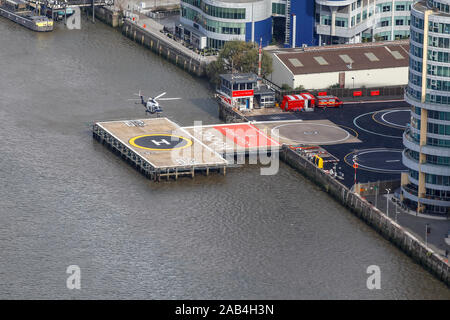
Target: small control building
[{"x": 244, "y": 92}]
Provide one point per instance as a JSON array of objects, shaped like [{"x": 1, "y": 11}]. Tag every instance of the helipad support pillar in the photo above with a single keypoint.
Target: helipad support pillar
[{"x": 93, "y": 10}]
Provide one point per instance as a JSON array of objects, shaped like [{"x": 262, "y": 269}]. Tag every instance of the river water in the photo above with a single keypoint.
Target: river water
[{"x": 67, "y": 200}]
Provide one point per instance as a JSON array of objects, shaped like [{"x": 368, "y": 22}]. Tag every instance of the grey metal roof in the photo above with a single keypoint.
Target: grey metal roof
[
  {"x": 379, "y": 55},
  {"x": 264, "y": 90},
  {"x": 239, "y": 77}
]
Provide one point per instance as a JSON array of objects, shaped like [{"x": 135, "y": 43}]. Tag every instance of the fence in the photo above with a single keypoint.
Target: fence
[
  {"x": 344, "y": 93},
  {"x": 378, "y": 187}
]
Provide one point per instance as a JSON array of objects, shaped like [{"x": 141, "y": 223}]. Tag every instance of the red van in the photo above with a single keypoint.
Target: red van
[{"x": 328, "y": 101}]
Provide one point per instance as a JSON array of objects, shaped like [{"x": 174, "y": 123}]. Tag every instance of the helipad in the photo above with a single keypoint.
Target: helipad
[{"x": 159, "y": 147}]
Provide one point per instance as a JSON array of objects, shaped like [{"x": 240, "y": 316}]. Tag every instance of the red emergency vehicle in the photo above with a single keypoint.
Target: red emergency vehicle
[
  {"x": 328, "y": 101},
  {"x": 298, "y": 102},
  {"x": 307, "y": 102}
]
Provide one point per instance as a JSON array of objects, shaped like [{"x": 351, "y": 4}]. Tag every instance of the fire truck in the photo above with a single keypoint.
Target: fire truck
[{"x": 307, "y": 102}]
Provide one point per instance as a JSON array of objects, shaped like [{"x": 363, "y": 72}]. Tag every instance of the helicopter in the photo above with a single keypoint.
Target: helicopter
[{"x": 152, "y": 105}]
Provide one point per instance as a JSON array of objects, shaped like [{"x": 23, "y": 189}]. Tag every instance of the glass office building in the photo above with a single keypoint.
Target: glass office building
[{"x": 426, "y": 186}]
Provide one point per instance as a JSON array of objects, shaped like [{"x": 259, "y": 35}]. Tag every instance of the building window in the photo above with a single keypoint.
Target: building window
[
  {"x": 439, "y": 42},
  {"x": 326, "y": 21},
  {"x": 278, "y": 8},
  {"x": 341, "y": 22}
]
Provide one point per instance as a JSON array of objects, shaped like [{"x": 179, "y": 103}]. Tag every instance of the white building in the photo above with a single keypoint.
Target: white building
[
  {"x": 225, "y": 20},
  {"x": 347, "y": 66},
  {"x": 300, "y": 22},
  {"x": 355, "y": 21}
]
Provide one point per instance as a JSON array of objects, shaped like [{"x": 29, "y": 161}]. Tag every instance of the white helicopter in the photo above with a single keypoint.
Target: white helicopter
[{"x": 152, "y": 105}]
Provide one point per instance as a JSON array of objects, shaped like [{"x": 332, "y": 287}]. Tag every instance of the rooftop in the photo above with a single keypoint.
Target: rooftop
[
  {"x": 239, "y": 77},
  {"x": 240, "y": 1},
  {"x": 379, "y": 55},
  {"x": 422, "y": 7}
]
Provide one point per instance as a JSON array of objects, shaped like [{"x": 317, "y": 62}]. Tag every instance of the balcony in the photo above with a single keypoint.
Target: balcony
[
  {"x": 424, "y": 167},
  {"x": 427, "y": 105},
  {"x": 410, "y": 192},
  {"x": 429, "y": 185},
  {"x": 344, "y": 32},
  {"x": 410, "y": 143},
  {"x": 335, "y": 3}
]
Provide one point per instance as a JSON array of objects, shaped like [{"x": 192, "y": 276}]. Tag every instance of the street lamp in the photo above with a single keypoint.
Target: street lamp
[
  {"x": 376, "y": 194},
  {"x": 387, "y": 201},
  {"x": 355, "y": 166},
  {"x": 396, "y": 211}
]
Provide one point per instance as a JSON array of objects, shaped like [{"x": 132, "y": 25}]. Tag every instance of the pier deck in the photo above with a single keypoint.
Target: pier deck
[
  {"x": 158, "y": 147},
  {"x": 270, "y": 135}
]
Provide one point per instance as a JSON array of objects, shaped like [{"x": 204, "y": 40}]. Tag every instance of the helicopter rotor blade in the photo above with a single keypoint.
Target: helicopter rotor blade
[
  {"x": 166, "y": 99},
  {"x": 157, "y": 97}
]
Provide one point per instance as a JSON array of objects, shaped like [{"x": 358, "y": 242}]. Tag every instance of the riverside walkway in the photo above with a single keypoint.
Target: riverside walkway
[{"x": 149, "y": 32}]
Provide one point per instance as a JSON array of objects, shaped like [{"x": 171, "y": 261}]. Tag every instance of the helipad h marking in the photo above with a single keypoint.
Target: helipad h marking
[{"x": 162, "y": 142}]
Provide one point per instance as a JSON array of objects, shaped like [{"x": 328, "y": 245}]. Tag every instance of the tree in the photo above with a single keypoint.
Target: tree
[{"x": 239, "y": 56}]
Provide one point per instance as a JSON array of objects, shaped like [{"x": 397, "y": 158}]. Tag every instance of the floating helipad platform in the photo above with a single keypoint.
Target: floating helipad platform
[{"x": 158, "y": 147}]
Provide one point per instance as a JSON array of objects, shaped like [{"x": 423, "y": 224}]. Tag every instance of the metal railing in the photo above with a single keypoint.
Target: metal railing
[
  {"x": 55, "y": 4},
  {"x": 363, "y": 93},
  {"x": 415, "y": 192}
]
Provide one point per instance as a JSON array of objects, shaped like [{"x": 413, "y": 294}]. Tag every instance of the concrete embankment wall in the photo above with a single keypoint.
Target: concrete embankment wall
[
  {"x": 387, "y": 227},
  {"x": 107, "y": 15},
  {"x": 164, "y": 48},
  {"x": 229, "y": 115}
]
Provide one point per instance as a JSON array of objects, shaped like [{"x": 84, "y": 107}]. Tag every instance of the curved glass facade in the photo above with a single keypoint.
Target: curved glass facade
[
  {"x": 221, "y": 20},
  {"x": 213, "y": 25},
  {"x": 218, "y": 12},
  {"x": 428, "y": 92}
]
